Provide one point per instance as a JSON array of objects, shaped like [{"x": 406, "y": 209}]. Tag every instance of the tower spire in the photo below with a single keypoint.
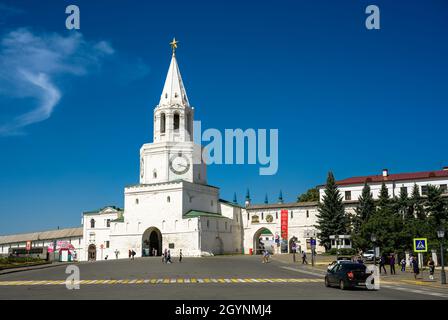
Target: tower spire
[{"x": 174, "y": 91}]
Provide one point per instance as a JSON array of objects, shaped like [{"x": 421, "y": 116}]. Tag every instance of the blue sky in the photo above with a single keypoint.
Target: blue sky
[{"x": 342, "y": 97}]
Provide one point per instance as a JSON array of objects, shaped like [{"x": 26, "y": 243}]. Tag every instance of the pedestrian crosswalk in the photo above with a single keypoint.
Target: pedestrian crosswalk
[{"x": 161, "y": 281}]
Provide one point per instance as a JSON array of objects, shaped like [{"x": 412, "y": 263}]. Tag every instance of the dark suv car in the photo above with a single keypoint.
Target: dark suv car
[{"x": 346, "y": 275}]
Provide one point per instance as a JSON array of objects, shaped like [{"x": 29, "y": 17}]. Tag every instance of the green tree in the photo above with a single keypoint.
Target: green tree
[
  {"x": 311, "y": 195},
  {"x": 364, "y": 210},
  {"x": 416, "y": 204},
  {"x": 436, "y": 206},
  {"x": 331, "y": 218},
  {"x": 384, "y": 200}
]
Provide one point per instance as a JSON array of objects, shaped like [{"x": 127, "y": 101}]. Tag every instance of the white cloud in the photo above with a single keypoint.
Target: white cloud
[{"x": 30, "y": 63}]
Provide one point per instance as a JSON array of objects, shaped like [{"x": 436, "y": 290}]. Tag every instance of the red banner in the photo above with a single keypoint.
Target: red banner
[{"x": 284, "y": 224}]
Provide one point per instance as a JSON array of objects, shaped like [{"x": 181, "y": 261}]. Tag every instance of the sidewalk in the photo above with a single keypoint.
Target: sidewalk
[
  {"x": 42, "y": 266},
  {"x": 321, "y": 264}
]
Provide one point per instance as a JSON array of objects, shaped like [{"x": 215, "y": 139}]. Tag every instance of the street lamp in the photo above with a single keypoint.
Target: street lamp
[
  {"x": 441, "y": 235},
  {"x": 373, "y": 238}
]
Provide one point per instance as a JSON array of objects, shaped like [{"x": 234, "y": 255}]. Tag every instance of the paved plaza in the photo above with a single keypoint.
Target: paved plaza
[{"x": 220, "y": 277}]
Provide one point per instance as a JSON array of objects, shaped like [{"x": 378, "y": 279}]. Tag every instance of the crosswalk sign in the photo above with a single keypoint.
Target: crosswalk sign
[{"x": 420, "y": 244}]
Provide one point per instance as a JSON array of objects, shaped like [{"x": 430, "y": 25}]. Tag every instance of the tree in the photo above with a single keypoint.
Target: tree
[
  {"x": 416, "y": 204},
  {"x": 331, "y": 218},
  {"x": 403, "y": 204},
  {"x": 310, "y": 195},
  {"x": 364, "y": 210},
  {"x": 436, "y": 207},
  {"x": 383, "y": 198}
]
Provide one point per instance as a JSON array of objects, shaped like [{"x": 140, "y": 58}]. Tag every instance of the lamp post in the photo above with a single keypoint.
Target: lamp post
[
  {"x": 373, "y": 238},
  {"x": 441, "y": 235}
]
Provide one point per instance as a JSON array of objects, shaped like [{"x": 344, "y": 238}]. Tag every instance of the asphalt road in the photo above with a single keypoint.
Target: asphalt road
[{"x": 222, "y": 277}]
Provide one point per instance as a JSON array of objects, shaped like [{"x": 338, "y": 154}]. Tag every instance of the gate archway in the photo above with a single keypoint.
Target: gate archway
[
  {"x": 152, "y": 242},
  {"x": 91, "y": 252},
  {"x": 260, "y": 243}
]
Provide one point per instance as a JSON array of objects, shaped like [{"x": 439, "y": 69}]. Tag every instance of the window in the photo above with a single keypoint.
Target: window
[
  {"x": 136, "y": 200},
  {"x": 92, "y": 223},
  {"x": 108, "y": 223},
  {"x": 443, "y": 188},
  {"x": 162, "y": 123},
  {"x": 307, "y": 213},
  {"x": 168, "y": 199},
  {"x": 248, "y": 217},
  {"x": 262, "y": 215},
  {"x": 107, "y": 244},
  {"x": 292, "y": 214},
  {"x": 348, "y": 195},
  {"x": 176, "y": 121},
  {"x": 276, "y": 215},
  {"x": 189, "y": 123},
  {"x": 154, "y": 174},
  {"x": 425, "y": 190},
  {"x": 208, "y": 224},
  {"x": 211, "y": 203},
  {"x": 404, "y": 190}
]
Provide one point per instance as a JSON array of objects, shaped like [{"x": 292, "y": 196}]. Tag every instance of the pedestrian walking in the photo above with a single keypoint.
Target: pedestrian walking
[
  {"x": 168, "y": 257},
  {"x": 165, "y": 256},
  {"x": 432, "y": 267},
  {"x": 130, "y": 253},
  {"x": 383, "y": 264},
  {"x": 415, "y": 268},
  {"x": 403, "y": 265},
  {"x": 116, "y": 253},
  {"x": 392, "y": 263},
  {"x": 180, "y": 255},
  {"x": 153, "y": 252},
  {"x": 304, "y": 258},
  {"x": 133, "y": 254}
]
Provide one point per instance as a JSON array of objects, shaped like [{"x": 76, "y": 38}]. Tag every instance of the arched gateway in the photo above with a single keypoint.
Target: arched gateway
[
  {"x": 260, "y": 242},
  {"x": 152, "y": 242},
  {"x": 92, "y": 252}
]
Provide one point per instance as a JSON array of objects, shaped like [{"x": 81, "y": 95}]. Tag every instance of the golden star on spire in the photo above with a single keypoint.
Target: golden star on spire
[{"x": 173, "y": 45}]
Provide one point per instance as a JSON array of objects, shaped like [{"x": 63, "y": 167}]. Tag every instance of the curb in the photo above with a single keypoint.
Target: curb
[{"x": 14, "y": 270}]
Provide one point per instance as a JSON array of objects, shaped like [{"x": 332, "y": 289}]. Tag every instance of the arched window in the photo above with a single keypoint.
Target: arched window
[
  {"x": 154, "y": 174},
  {"x": 162, "y": 123},
  {"x": 92, "y": 223},
  {"x": 168, "y": 199},
  {"x": 176, "y": 121}
]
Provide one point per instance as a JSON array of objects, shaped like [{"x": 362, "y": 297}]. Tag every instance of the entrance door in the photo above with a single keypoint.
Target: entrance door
[
  {"x": 92, "y": 252},
  {"x": 152, "y": 242}
]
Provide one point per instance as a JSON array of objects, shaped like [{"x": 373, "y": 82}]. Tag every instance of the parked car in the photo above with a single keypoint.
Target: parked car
[
  {"x": 339, "y": 260},
  {"x": 346, "y": 275},
  {"x": 368, "y": 255}
]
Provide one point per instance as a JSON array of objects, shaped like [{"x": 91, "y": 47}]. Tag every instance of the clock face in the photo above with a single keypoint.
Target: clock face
[{"x": 179, "y": 164}]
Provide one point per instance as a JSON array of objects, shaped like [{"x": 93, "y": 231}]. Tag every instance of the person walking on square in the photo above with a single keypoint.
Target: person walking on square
[
  {"x": 392, "y": 263},
  {"x": 130, "y": 253},
  {"x": 180, "y": 255},
  {"x": 168, "y": 259},
  {"x": 415, "y": 268},
  {"x": 403, "y": 265},
  {"x": 304, "y": 258},
  {"x": 164, "y": 256},
  {"x": 133, "y": 254},
  {"x": 432, "y": 267},
  {"x": 383, "y": 264}
]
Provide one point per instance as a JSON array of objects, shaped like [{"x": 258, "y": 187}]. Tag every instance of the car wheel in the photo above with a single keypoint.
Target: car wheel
[
  {"x": 327, "y": 283},
  {"x": 342, "y": 285}
]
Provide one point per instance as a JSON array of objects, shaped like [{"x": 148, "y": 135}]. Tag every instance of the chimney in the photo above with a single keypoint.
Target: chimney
[{"x": 385, "y": 172}]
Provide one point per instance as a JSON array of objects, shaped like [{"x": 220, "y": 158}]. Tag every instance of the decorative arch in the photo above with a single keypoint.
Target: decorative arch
[{"x": 258, "y": 244}]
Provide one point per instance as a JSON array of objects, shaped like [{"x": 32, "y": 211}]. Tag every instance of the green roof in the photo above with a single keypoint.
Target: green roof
[{"x": 197, "y": 213}]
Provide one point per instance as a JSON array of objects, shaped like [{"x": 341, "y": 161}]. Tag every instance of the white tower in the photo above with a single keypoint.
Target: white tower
[{"x": 173, "y": 154}]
